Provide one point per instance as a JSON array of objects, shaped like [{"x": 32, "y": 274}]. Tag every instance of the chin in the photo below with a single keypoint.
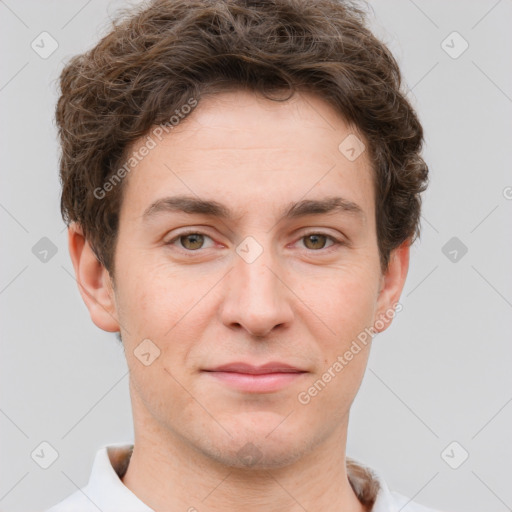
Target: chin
[
  {"x": 257, "y": 454},
  {"x": 256, "y": 444}
]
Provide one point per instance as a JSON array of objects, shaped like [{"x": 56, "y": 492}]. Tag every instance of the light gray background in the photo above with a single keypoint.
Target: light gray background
[{"x": 441, "y": 373}]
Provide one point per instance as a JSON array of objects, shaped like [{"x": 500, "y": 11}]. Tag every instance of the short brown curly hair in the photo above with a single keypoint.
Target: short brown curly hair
[{"x": 162, "y": 54}]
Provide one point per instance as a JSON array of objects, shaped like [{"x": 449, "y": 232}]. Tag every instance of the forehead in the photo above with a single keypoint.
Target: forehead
[{"x": 248, "y": 151}]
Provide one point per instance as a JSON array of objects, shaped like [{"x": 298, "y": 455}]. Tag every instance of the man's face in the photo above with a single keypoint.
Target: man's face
[{"x": 256, "y": 288}]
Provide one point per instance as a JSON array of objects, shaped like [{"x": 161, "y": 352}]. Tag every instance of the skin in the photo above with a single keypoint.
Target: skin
[{"x": 301, "y": 301}]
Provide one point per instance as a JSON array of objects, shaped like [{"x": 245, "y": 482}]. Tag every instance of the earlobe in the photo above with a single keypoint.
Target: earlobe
[
  {"x": 392, "y": 284},
  {"x": 94, "y": 282}
]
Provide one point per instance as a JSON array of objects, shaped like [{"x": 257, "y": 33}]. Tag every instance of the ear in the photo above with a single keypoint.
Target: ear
[
  {"x": 391, "y": 286},
  {"x": 93, "y": 280}
]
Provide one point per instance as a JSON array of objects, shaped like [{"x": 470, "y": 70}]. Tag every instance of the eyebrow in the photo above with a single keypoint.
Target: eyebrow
[{"x": 194, "y": 205}]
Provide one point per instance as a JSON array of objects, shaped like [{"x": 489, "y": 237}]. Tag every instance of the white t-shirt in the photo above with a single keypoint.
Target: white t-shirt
[{"x": 106, "y": 492}]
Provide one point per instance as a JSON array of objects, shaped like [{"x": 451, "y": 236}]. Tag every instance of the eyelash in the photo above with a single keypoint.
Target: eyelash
[{"x": 336, "y": 242}]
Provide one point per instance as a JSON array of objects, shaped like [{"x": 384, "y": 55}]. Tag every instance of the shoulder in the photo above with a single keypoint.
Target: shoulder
[{"x": 372, "y": 491}]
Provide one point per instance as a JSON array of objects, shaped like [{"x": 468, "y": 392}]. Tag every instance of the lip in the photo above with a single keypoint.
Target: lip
[
  {"x": 271, "y": 367},
  {"x": 266, "y": 378}
]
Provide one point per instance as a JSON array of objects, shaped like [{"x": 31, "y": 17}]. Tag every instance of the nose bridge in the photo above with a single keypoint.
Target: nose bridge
[{"x": 256, "y": 297}]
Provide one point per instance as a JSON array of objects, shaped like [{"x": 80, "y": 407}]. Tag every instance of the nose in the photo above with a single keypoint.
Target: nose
[{"x": 256, "y": 296}]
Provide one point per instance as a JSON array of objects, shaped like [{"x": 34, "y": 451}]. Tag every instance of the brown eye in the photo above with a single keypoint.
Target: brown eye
[
  {"x": 192, "y": 241},
  {"x": 315, "y": 241}
]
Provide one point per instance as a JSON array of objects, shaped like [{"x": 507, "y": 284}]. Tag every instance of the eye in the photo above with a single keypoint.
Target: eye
[
  {"x": 191, "y": 241},
  {"x": 317, "y": 241}
]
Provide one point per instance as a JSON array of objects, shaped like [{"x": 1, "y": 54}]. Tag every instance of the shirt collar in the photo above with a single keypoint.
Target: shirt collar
[
  {"x": 106, "y": 490},
  {"x": 370, "y": 488}
]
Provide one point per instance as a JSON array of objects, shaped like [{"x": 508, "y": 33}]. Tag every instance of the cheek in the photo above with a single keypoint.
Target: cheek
[
  {"x": 166, "y": 308},
  {"x": 347, "y": 302},
  {"x": 347, "y": 307},
  {"x": 149, "y": 301},
  {"x": 159, "y": 310}
]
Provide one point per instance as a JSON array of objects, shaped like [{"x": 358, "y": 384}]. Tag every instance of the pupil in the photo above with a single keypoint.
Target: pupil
[
  {"x": 196, "y": 239},
  {"x": 315, "y": 239}
]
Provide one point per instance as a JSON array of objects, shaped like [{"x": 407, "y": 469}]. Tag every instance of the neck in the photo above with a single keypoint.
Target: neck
[{"x": 168, "y": 474}]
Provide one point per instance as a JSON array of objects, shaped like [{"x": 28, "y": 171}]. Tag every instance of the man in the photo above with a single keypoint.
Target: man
[{"x": 242, "y": 183}]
